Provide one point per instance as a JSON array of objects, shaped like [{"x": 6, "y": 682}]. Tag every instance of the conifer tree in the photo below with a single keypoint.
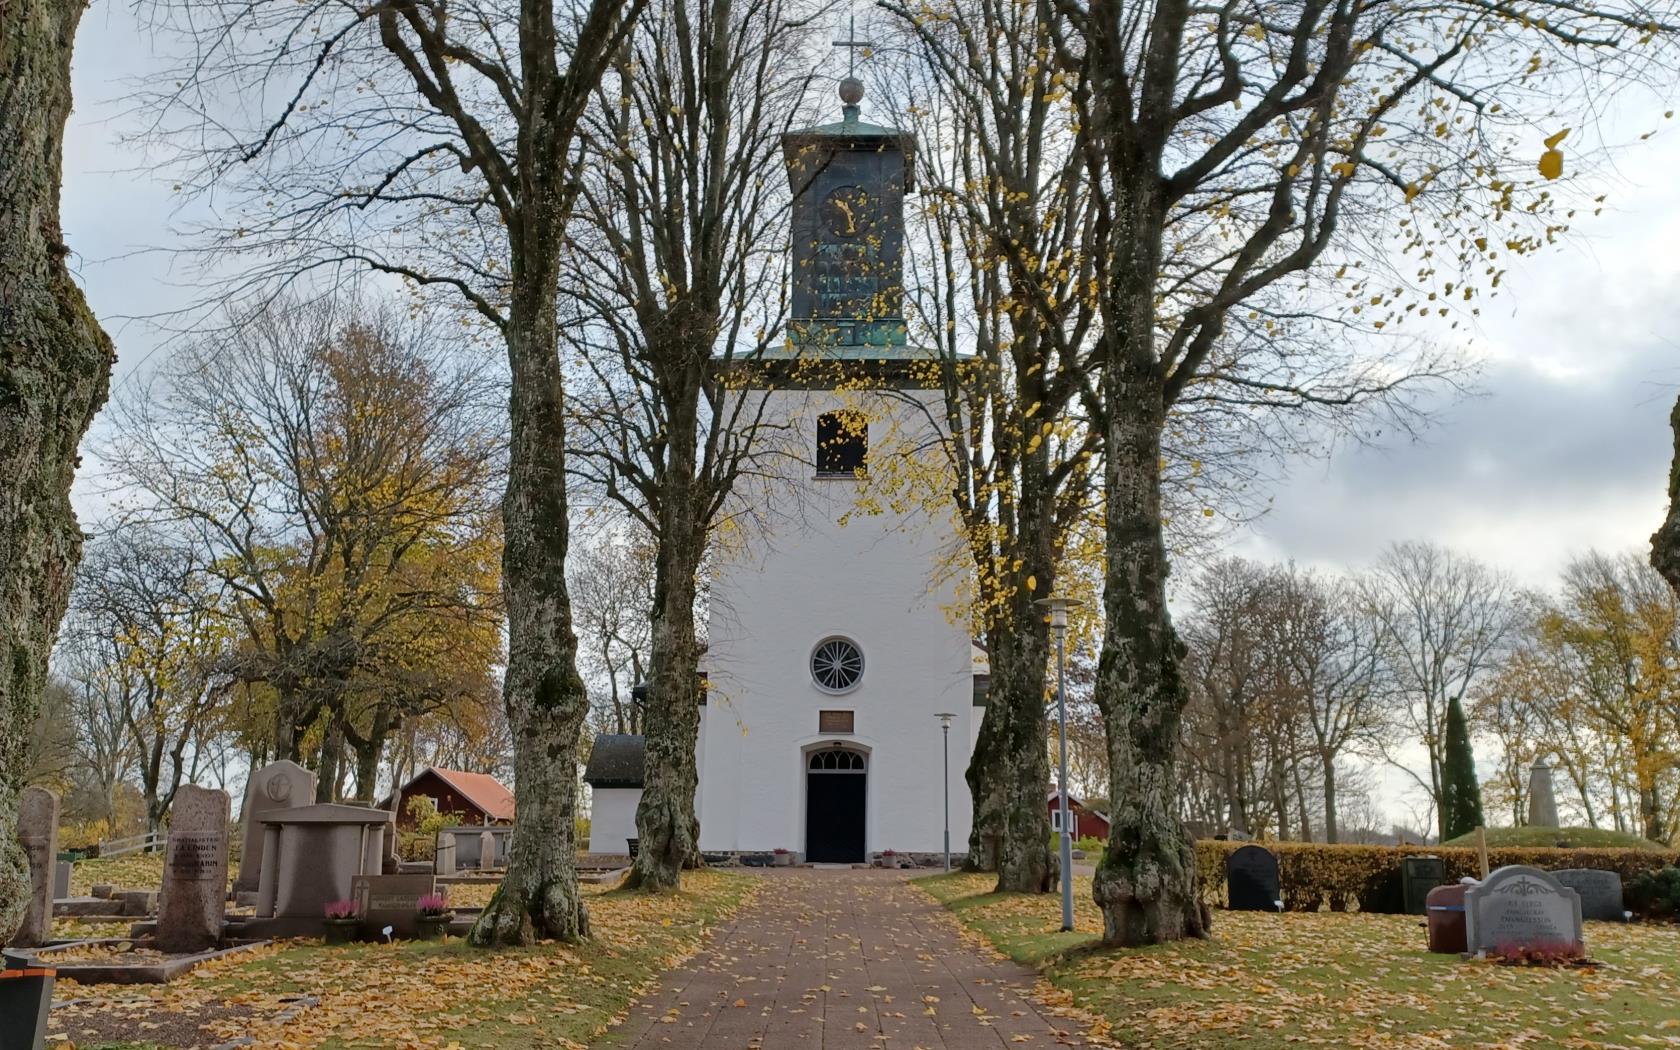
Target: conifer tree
[{"x": 1461, "y": 796}]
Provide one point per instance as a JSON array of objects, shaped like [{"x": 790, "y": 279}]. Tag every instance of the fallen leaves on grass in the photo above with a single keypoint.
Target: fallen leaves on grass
[
  {"x": 415, "y": 995},
  {"x": 1342, "y": 980}
]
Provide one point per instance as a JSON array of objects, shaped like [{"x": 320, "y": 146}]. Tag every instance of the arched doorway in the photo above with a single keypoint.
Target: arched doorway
[{"x": 835, "y": 793}]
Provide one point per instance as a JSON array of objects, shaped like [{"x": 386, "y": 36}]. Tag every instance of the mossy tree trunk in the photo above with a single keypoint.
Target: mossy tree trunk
[
  {"x": 1665, "y": 542},
  {"x": 666, "y": 824},
  {"x": 55, "y": 364}
]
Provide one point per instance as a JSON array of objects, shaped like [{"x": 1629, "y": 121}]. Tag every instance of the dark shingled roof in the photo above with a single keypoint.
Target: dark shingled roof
[{"x": 616, "y": 761}]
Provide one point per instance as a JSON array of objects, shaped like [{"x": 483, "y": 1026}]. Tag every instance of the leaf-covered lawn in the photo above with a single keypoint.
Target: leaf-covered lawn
[
  {"x": 136, "y": 871},
  {"x": 1349, "y": 980},
  {"x": 412, "y": 995}
]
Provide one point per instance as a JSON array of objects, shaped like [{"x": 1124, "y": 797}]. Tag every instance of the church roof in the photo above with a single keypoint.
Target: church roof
[{"x": 617, "y": 760}]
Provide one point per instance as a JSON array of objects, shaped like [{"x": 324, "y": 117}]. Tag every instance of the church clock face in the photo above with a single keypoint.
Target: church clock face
[{"x": 846, "y": 212}]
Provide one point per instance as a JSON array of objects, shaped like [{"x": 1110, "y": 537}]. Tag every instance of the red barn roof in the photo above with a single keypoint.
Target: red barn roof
[{"x": 490, "y": 795}]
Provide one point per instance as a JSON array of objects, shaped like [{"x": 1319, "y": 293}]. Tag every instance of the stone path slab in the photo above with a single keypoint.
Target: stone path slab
[{"x": 842, "y": 960}]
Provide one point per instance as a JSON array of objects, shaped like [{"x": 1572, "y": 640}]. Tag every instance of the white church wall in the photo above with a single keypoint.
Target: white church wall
[
  {"x": 797, "y": 578},
  {"x": 612, "y": 819}
]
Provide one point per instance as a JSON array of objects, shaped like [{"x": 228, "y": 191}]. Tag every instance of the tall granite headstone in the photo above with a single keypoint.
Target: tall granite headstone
[
  {"x": 195, "y": 864},
  {"x": 278, "y": 785},
  {"x": 38, "y": 835},
  {"x": 1600, "y": 892},
  {"x": 1542, "y": 796},
  {"x": 1251, "y": 880},
  {"x": 1518, "y": 908}
]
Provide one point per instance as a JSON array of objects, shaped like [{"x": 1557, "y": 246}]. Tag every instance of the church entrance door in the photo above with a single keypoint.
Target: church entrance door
[{"x": 835, "y": 793}]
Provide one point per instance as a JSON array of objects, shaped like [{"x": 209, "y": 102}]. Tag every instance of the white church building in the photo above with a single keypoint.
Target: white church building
[{"x": 833, "y": 652}]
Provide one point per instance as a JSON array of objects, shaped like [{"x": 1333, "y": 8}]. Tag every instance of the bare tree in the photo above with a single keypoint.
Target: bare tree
[
  {"x": 679, "y": 283},
  {"x": 434, "y": 142},
  {"x": 612, "y": 591},
  {"x": 1330, "y": 653},
  {"x": 1445, "y": 620},
  {"x": 55, "y": 364},
  {"x": 157, "y": 614},
  {"x": 1241, "y": 155}
]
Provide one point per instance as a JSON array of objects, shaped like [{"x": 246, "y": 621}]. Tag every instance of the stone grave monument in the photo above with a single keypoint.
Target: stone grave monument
[
  {"x": 38, "y": 835},
  {"x": 310, "y": 856},
  {"x": 390, "y": 900},
  {"x": 1521, "y": 908},
  {"x": 1419, "y": 875},
  {"x": 1542, "y": 796},
  {"x": 276, "y": 786},
  {"x": 1600, "y": 892},
  {"x": 194, "y": 897},
  {"x": 1251, "y": 880}
]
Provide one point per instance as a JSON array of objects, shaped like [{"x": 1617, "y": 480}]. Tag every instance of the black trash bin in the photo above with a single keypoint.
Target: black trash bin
[
  {"x": 25, "y": 997},
  {"x": 634, "y": 844}
]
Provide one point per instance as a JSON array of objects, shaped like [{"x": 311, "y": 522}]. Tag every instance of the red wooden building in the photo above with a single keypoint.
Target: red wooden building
[
  {"x": 474, "y": 798},
  {"x": 1087, "y": 823}
]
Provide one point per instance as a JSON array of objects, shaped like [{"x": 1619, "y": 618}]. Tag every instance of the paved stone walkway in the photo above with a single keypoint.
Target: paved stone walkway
[{"x": 843, "y": 960}]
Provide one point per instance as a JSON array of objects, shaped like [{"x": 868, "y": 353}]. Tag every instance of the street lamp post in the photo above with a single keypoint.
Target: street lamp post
[
  {"x": 1058, "y": 610},
  {"x": 945, "y": 728}
]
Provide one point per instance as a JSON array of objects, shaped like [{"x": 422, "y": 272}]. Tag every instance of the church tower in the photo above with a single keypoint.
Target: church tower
[{"x": 833, "y": 647}]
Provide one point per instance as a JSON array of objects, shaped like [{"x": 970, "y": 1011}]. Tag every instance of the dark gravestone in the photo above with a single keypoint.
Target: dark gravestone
[
  {"x": 1419, "y": 875},
  {"x": 1600, "y": 891},
  {"x": 391, "y": 900},
  {"x": 1251, "y": 880},
  {"x": 1520, "y": 908}
]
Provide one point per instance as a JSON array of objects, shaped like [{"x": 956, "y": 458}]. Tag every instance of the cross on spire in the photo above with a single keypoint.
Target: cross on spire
[{"x": 853, "y": 44}]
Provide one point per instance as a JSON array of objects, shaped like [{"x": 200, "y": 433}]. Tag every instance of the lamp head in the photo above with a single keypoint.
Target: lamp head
[
  {"x": 1058, "y": 610},
  {"x": 945, "y": 718}
]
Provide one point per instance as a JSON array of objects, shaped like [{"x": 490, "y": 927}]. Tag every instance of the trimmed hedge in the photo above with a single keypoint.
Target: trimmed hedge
[{"x": 1314, "y": 876}]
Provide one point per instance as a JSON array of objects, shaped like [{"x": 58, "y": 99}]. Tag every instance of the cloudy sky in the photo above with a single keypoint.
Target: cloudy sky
[{"x": 1565, "y": 446}]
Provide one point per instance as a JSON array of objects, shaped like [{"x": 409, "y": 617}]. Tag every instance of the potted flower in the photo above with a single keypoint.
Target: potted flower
[
  {"x": 342, "y": 922},
  {"x": 433, "y": 916},
  {"x": 783, "y": 857}
]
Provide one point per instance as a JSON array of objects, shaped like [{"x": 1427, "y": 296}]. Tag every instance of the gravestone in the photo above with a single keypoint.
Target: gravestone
[
  {"x": 1251, "y": 880},
  {"x": 310, "y": 855},
  {"x": 1419, "y": 875},
  {"x": 1518, "y": 907},
  {"x": 1542, "y": 797},
  {"x": 38, "y": 835},
  {"x": 390, "y": 900},
  {"x": 487, "y": 850},
  {"x": 1600, "y": 891},
  {"x": 278, "y": 785},
  {"x": 62, "y": 872},
  {"x": 194, "y": 897}
]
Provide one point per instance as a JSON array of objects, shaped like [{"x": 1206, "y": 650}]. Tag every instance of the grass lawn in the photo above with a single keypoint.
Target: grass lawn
[
  {"x": 413, "y": 995},
  {"x": 1347, "y": 980},
  {"x": 1573, "y": 838}
]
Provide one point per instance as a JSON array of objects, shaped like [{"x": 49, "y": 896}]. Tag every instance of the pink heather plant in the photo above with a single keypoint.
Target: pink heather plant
[
  {"x": 432, "y": 905},
  {"x": 341, "y": 909}
]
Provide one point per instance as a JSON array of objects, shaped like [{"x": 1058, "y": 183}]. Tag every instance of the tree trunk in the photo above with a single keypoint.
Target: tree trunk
[
  {"x": 329, "y": 765},
  {"x": 1148, "y": 885},
  {"x": 1332, "y": 833},
  {"x": 665, "y": 818},
  {"x": 1665, "y": 542},
  {"x": 55, "y": 365},
  {"x": 544, "y": 695},
  {"x": 1013, "y": 767}
]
